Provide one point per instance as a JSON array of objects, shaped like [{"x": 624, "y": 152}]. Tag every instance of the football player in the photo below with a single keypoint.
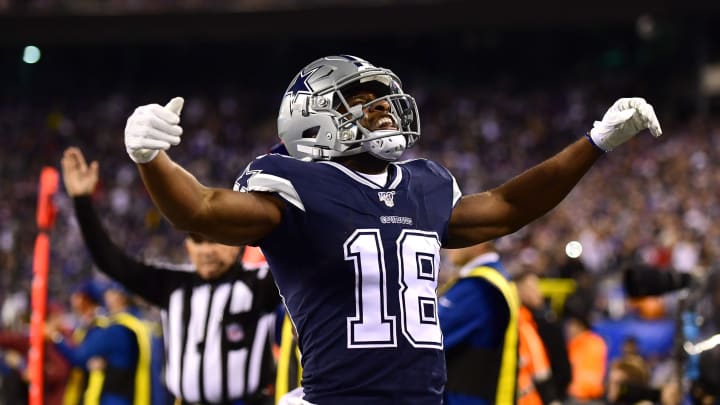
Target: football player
[{"x": 352, "y": 234}]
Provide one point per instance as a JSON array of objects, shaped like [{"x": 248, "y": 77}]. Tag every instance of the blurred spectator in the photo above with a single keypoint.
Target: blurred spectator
[
  {"x": 536, "y": 378},
  {"x": 478, "y": 317},
  {"x": 13, "y": 384},
  {"x": 55, "y": 368},
  {"x": 588, "y": 356},
  {"x": 550, "y": 328},
  {"x": 628, "y": 381},
  {"x": 123, "y": 313},
  {"x": 113, "y": 354},
  {"x": 15, "y": 311},
  {"x": 85, "y": 302},
  {"x": 628, "y": 385},
  {"x": 630, "y": 349}
]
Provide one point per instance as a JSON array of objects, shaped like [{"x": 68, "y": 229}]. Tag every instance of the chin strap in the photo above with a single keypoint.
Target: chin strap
[{"x": 388, "y": 148}]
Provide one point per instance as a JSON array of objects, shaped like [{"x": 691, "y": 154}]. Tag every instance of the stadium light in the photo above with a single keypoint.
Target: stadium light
[
  {"x": 31, "y": 54},
  {"x": 573, "y": 249}
]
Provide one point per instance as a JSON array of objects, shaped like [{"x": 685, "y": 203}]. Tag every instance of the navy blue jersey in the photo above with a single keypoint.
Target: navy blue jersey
[{"x": 357, "y": 265}]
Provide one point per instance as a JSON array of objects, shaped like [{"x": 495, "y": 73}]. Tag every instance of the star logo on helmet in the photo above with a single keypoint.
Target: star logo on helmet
[{"x": 300, "y": 85}]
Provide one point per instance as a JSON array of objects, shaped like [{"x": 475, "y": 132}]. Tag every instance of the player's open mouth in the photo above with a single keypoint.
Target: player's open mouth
[{"x": 385, "y": 123}]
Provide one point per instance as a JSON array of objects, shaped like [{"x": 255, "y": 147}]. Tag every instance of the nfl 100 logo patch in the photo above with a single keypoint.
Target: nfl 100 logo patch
[{"x": 388, "y": 197}]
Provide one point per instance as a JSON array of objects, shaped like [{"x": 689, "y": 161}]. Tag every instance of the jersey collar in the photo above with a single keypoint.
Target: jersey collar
[{"x": 393, "y": 180}]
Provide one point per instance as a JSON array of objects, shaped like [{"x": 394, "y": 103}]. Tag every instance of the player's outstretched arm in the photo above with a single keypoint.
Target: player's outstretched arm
[
  {"x": 219, "y": 214},
  {"x": 528, "y": 196}
]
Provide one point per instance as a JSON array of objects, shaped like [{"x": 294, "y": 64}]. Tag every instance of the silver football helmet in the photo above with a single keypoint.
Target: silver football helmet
[{"x": 317, "y": 123}]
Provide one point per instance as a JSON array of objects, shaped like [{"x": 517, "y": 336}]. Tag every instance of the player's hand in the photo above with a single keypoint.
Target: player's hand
[
  {"x": 622, "y": 121},
  {"x": 79, "y": 178},
  {"x": 152, "y": 128}
]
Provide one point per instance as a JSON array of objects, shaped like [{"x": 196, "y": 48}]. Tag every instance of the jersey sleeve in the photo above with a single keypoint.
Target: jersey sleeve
[
  {"x": 272, "y": 173},
  {"x": 444, "y": 174},
  {"x": 267, "y": 174},
  {"x": 457, "y": 194},
  {"x": 438, "y": 188}
]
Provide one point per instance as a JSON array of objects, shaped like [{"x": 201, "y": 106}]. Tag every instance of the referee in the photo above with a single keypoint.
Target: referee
[{"x": 217, "y": 320}]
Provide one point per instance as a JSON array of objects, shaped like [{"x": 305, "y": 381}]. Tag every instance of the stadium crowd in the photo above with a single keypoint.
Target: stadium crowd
[
  {"x": 482, "y": 135},
  {"x": 656, "y": 205}
]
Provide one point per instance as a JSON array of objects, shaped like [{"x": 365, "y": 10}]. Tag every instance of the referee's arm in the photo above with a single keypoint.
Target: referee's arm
[{"x": 151, "y": 283}]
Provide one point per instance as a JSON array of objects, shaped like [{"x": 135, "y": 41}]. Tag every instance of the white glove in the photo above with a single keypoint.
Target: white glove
[
  {"x": 622, "y": 121},
  {"x": 152, "y": 128}
]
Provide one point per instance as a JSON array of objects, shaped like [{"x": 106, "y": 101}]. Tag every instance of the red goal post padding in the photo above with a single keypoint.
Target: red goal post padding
[{"x": 45, "y": 218}]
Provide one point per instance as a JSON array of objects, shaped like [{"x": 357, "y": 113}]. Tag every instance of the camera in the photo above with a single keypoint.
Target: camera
[
  {"x": 698, "y": 362},
  {"x": 643, "y": 281}
]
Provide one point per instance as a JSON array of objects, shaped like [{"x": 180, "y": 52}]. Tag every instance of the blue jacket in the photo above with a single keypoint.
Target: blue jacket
[
  {"x": 116, "y": 344},
  {"x": 474, "y": 314}
]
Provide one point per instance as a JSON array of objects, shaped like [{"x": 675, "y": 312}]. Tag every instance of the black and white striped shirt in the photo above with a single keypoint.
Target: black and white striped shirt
[
  {"x": 218, "y": 333},
  {"x": 218, "y": 336}
]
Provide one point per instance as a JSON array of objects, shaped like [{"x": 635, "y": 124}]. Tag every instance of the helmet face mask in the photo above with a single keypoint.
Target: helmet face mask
[{"x": 316, "y": 122}]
